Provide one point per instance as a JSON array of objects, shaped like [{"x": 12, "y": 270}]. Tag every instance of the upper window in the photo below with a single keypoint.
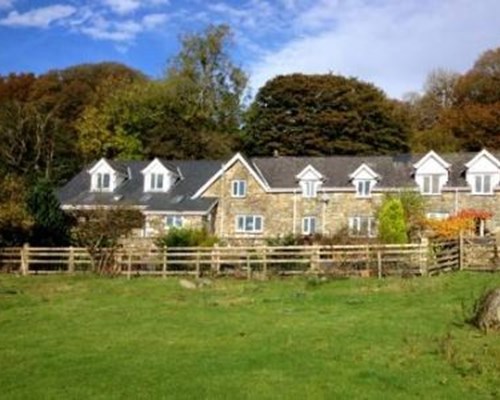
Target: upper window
[
  {"x": 239, "y": 188},
  {"x": 431, "y": 184},
  {"x": 103, "y": 181},
  {"x": 156, "y": 181},
  {"x": 482, "y": 184},
  {"x": 173, "y": 221},
  {"x": 249, "y": 223},
  {"x": 309, "y": 188},
  {"x": 309, "y": 225},
  {"x": 363, "y": 188},
  {"x": 362, "y": 226}
]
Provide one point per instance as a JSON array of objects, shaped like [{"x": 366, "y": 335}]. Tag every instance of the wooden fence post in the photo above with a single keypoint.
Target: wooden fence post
[
  {"x": 129, "y": 264},
  {"x": 379, "y": 264},
  {"x": 424, "y": 256},
  {"x": 165, "y": 260},
  {"x": 264, "y": 262},
  {"x": 71, "y": 260},
  {"x": 215, "y": 259},
  {"x": 198, "y": 272},
  {"x": 249, "y": 267},
  {"x": 25, "y": 259},
  {"x": 461, "y": 251}
]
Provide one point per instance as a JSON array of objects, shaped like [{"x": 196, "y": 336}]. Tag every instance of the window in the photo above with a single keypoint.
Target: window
[
  {"x": 173, "y": 221},
  {"x": 309, "y": 188},
  {"x": 363, "y": 188},
  {"x": 239, "y": 189},
  {"x": 308, "y": 225},
  {"x": 156, "y": 182},
  {"x": 431, "y": 184},
  {"x": 362, "y": 226},
  {"x": 103, "y": 181},
  {"x": 482, "y": 184},
  {"x": 438, "y": 215},
  {"x": 249, "y": 223}
]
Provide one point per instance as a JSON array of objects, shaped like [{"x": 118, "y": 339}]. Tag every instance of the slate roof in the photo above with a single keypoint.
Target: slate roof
[
  {"x": 131, "y": 192},
  {"x": 277, "y": 172},
  {"x": 394, "y": 171}
]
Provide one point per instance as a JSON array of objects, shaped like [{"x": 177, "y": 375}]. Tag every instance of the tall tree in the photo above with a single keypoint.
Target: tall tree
[
  {"x": 321, "y": 115},
  {"x": 208, "y": 80}
]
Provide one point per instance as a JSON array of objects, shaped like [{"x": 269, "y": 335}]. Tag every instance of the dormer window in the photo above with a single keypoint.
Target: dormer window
[
  {"x": 159, "y": 176},
  {"x": 156, "y": 182},
  {"x": 431, "y": 184},
  {"x": 309, "y": 188},
  {"x": 482, "y": 184},
  {"x": 103, "y": 181},
  {"x": 239, "y": 188},
  {"x": 431, "y": 174},
  {"x": 483, "y": 173},
  {"x": 364, "y": 179},
  {"x": 310, "y": 181}
]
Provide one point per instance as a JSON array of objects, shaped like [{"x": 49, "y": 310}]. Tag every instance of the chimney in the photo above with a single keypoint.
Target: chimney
[{"x": 276, "y": 153}]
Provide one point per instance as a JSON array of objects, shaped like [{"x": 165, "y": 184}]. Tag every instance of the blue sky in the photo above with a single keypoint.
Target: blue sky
[{"x": 392, "y": 43}]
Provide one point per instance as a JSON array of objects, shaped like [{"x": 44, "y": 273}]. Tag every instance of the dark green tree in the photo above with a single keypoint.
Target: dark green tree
[
  {"x": 51, "y": 224},
  {"x": 323, "y": 115}
]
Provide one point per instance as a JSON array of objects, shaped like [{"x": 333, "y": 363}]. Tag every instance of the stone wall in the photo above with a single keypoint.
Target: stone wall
[
  {"x": 283, "y": 212},
  {"x": 155, "y": 224}
]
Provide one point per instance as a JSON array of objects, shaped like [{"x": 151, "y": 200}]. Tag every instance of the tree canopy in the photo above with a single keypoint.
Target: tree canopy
[{"x": 322, "y": 115}]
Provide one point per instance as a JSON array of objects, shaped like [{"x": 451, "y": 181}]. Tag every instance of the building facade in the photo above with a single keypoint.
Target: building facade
[{"x": 249, "y": 199}]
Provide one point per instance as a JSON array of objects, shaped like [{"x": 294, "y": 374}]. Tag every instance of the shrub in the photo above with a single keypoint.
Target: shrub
[
  {"x": 186, "y": 237},
  {"x": 392, "y": 223}
]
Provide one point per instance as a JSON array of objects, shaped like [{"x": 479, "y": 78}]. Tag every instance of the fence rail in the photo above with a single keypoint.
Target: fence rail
[{"x": 365, "y": 260}]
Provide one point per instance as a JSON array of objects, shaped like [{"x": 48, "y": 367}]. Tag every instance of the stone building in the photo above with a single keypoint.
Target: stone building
[{"x": 249, "y": 199}]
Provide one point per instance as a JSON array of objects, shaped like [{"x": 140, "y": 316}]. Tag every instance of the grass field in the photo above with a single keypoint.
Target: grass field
[{"x": 99, "y": 338}]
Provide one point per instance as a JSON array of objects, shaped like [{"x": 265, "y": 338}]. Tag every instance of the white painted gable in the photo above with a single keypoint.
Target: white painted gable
[
  {"x": 156, "y": 167},
  {"x": 484, "y": 163},
  {"x": 102, "y": 167},
  {"x": 431, "y": 164},
  {"x": 309, "y": 173},
  {"x": 364, "y": 172}
]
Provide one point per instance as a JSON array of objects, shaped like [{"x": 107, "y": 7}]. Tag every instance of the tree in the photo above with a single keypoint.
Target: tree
[
  {"x": 15, "y": 219},
  {"x": 323, "y": 115},
  {"x": 391, "y": 221},
  {"x": 208, "y": 82},
  {"x": 51, "y": 224},
  {"x": 100, "y": 231}
]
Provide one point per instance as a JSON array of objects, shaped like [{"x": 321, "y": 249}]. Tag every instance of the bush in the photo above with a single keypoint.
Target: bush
[
  {"x": 187, "y": 237},
  {"x": 392, "y": 223}
]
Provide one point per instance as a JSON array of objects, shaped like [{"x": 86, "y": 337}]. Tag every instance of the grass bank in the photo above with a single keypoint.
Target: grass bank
[{"x": 99, "y": 338}]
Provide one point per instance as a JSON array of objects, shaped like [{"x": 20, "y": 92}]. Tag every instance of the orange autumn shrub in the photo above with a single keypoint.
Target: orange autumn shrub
[{"x": 462, "y": 221}]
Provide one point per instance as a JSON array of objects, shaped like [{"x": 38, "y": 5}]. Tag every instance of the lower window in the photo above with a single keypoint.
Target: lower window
[
  {"x": 362, "y": 226},
  {"x": 173, "y": 221},
  {"x": 309, "y": 225},
  {"x": 249, "y": 223}
]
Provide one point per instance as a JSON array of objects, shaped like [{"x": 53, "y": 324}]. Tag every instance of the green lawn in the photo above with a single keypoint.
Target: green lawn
[{"x": 99, "y": 338}]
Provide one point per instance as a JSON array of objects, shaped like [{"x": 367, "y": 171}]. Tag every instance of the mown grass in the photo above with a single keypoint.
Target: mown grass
[{"x": 99, "y": 338}]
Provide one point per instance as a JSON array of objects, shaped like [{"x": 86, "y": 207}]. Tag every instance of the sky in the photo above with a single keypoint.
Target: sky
[{"x": 391, "y": 43}]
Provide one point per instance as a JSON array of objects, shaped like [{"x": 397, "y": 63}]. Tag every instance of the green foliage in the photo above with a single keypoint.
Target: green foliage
[
  {"x": 391, "y": 221},
  {"x": 186, "y": 237},
  {"x": 414, "y": 205},
  {"x": 323, "y": 115},
  {"x": 15, "y": 219},
  {"x": 51, "y": 224}
]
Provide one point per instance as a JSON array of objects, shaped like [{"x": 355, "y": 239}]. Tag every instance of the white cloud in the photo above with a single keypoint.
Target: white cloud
[
  {"x": 6, "y": 4},
  {"x": 391, "y": 43},
  {"x": 38, "y": 17},
  {"x": 123, "y": 7},
  {"x": 153, "y": 21}
]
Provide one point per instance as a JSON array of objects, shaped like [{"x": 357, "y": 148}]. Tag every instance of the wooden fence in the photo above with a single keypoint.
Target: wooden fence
[{"x": 343, "y": 260}]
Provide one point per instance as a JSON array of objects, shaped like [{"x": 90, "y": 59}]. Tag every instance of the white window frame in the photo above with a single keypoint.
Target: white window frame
[
  {"x": 239, "y": 188},
  {"x": 174, "y": 221},
  {"x": 100, "y": 181},
  {"x": 242, "y": 222},
  {"x": 355, "y": 224},
  {"x": 309, "y": 225},
  {"x": 481, "y": 179},
  {"x": 434, "y": 184},
  {"x": 309, "y": 188},
  {"x": 154, "y": 179},
  {"x": 437, "y": 215},
  {"x": 364, "y": 187}
]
